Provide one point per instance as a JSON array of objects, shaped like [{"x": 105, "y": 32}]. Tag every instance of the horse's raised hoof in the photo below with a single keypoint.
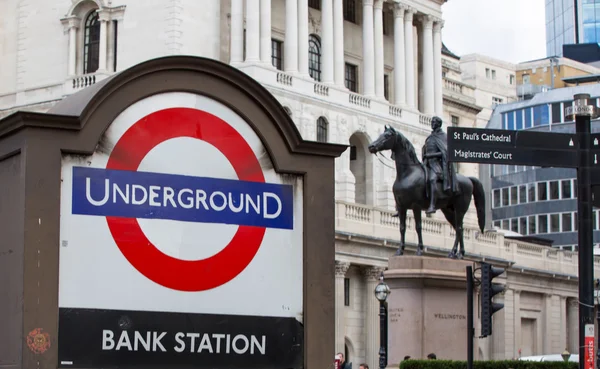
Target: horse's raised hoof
[
  {"x": 419, "y": 252},
  {"x": 399, "y": 252}
]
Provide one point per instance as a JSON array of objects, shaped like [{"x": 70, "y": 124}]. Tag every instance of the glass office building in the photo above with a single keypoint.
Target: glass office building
[
  {"x": 560, "y": 23},
  {"x": 536, "y": 201}
]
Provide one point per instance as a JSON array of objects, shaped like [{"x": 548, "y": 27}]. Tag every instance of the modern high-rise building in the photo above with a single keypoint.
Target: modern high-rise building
[{"x": 567, "y": 18}]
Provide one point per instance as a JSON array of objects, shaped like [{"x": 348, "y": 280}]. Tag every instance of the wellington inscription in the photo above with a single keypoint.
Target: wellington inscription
[{"x": 450, "y": 316}]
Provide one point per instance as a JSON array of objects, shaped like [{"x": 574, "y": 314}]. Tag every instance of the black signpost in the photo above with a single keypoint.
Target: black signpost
[{"x": 580, "y": 150}]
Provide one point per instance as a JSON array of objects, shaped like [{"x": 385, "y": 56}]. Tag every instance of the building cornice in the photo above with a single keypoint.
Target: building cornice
[{"x": 472, "y": 108}]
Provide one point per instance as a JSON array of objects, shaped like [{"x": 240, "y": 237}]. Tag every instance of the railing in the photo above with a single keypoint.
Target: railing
[
  {"x": 453, "y": 86},
  {"x": 528, "y": 89},
  {"x": 84, "y": 81},
  {"x": 359, "y": 100},
  {"x": 395, "y": 111},
  {"x": 424, "y": 120},
  {"x": 74, "y": 84},
  {"x": 369, "y": 221},
  {"x": 332, "y": 95},
  {"x": 284, "y": 79},
  {"x": 450, "y": 65},
  {"x": 321, "y": 89}
]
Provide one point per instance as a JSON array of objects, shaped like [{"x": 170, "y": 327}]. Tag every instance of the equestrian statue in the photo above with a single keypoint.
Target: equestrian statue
[{"x": 432, "y": 184}]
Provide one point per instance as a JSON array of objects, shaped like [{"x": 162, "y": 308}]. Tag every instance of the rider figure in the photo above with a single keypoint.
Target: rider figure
[{"x": 435, "y": 158}]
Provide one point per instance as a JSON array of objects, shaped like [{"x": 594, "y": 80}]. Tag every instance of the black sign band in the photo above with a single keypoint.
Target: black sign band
[{"x": 90, "y": 338}]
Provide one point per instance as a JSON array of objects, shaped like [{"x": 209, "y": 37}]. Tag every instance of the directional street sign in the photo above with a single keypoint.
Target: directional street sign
[{"x": 496, "y": 146}]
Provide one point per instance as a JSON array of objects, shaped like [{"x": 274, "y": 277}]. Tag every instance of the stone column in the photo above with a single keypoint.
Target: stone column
[
  {"x": 563, "y": 324},
  {"x": 265, "y": 32},
  {"x": 428, "y": 80},
  {"x": 340, "y": 317},
  {"x": 327, "y": 41},
  {"x": 372, "y": 316},
  {"x": 547, "y": 328},
  {"x": 368, "y": 49},
  {"x": 437, "y": 68},
  {"x": 252, "y": 31},
  {"x": 71, "y": 24},
  {"x": 378, "y": 38},
  {"x": 290, "y": 44},
  {"x": 573, "y": 324},
  {"x": 399, "y": 58},
  {"x": 517, "y": 322},
  {"x": 410, "y": 56},
  {"x": 303, "y": 37},
  {"x": 338, "y": 43},
  {"x": 236, "y": 40},
  {"x": 506, "y": 348},
  {"x": 103, "y": 17}
]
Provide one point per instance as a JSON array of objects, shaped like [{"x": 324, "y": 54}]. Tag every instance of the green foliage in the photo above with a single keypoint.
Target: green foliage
[{"x": 504, "y": 364}]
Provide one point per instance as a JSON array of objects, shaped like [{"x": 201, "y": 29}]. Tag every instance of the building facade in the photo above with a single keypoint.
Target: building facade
[
  {"x": 342, "y": 69},
  {"x": 566, "y": 18},
  {"x": 494, "y": 82},
  {"x": 550, "y": 73},
  {"x": 534, "y": 201}
]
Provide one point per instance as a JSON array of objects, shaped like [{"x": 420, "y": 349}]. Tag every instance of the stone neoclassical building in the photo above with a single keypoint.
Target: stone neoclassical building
[{"x": 342, "y": 69}]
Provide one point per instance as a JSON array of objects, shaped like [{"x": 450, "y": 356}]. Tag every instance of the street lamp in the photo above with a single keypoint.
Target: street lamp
[
  {"x": 566, "y": 355},
  {"x": 382, "y": 292}
]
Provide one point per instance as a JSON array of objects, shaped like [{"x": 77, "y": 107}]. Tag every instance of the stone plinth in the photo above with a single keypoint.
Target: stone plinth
[{"x": 427, "y": 308}]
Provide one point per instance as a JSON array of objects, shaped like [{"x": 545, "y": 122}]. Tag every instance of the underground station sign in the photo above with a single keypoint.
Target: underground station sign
[
  {"x": 495, "y": 146},
  {"x": 181, "y": 246}
]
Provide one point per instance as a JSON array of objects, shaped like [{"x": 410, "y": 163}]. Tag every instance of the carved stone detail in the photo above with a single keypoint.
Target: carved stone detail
[
  {"x": 399, "y": 10},
  {"x": 341, "y": 268},
  {"x": 372, "y": 273}
]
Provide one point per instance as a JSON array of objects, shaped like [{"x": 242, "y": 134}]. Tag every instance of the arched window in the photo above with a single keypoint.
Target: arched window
[
  {"x": 91, "y": 43},
  {"x": 314, "y": 57},
  {"x": 322, "y": 129}
]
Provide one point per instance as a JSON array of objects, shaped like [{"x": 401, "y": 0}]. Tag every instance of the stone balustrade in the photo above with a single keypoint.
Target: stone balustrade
[
  {"x": 78, "y": 83},
  {"x": 368, "y": 221},
  {"x": 332, "y": 94},
  {"x": 453, "y": 85}
]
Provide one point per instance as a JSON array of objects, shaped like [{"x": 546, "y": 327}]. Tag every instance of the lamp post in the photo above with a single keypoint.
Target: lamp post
[{"x": 382, "y": 292}]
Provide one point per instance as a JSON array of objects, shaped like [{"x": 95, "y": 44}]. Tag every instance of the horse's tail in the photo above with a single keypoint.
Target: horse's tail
[{"x": 479, "y": 195}]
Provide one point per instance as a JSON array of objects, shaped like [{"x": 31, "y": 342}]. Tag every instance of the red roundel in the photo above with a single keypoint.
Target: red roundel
[{"x": 130, "y": 150}]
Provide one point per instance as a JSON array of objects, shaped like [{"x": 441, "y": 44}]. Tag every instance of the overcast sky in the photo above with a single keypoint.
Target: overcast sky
[{"x": 511, "y": 30}]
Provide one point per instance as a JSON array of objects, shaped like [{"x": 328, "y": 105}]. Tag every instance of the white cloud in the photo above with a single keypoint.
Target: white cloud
[{"x": 511, "y": 30}]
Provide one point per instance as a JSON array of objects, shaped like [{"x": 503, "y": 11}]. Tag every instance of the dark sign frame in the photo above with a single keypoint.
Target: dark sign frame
[{"x": 30, "y": 165}]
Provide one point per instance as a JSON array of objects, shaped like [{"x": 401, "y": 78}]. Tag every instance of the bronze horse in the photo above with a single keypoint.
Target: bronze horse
[{"x": 409, "y": 191}]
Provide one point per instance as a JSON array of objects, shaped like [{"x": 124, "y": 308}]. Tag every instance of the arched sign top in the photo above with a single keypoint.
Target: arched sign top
[
  {"x": 110, "y": 285},
  {"x": 199, "y": 75}
]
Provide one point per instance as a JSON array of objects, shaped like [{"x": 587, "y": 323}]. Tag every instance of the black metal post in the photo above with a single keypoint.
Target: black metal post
[
  {"x": 387, "y": 337},
  {"x": 576, "y": 11},
  {"x": 597, "y": 337},
  {"x": 585, "y": 234},
  {"x": 470, "y": 328},
  {"x": 382, "y": 335}
]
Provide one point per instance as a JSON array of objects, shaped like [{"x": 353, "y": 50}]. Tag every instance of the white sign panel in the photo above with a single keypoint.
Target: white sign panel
[{"x": 179, "y": 210}]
